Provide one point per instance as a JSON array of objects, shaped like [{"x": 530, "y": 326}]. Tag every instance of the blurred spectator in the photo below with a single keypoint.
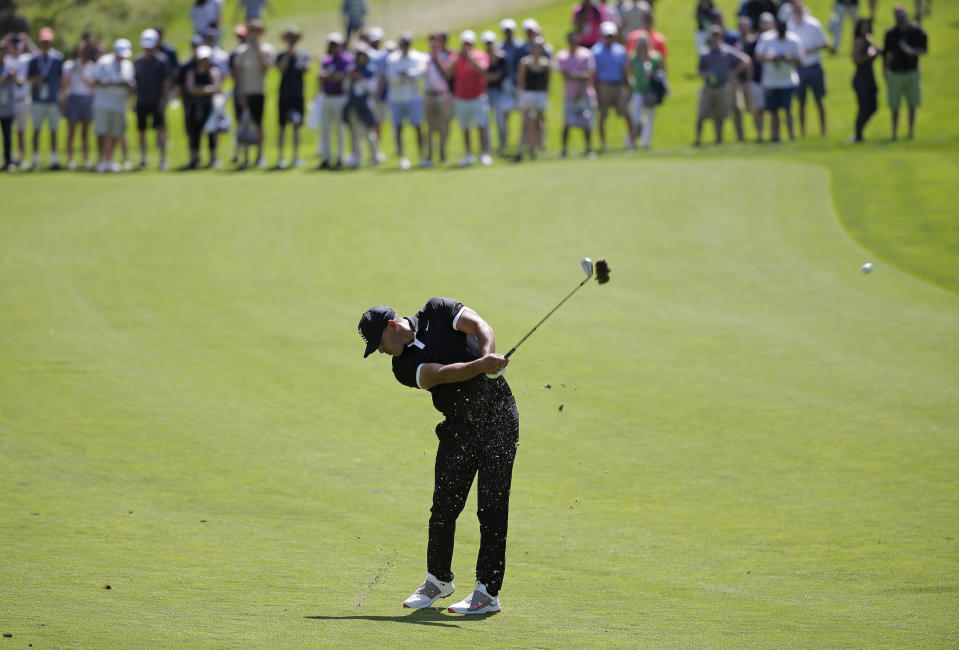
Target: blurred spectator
[
  {"x": 404, "y": 69},
  {"x": 495, "y": 78},
  {"x": 467, "y": 68},
  {"x": 438, "y": 103},
  {"x": 507, "y": 102},
  {"x": 631, "y": 13},
  {"x": 740, "y": 100},
  {"x": 842, "y": 10},
  {"x": 218, "y": 56},
  {"x": 331, "y": 76},
  {"x": 704, "y": 20},
  {"x": 251, "y": 60},
  {"x": 115, "y": 79},
  {"x": 644, "y": 66},
  {"x": 378, "y": 54},
  {"x": 656, "y": 40},
  {"x": 9, "y": 80},
  {"x": 780, "y": 52},
  {"x": 749, "y": 91},
  {"x": 168, "y": 51},
  {"x": 354, "y": 13},
  {"x": 611, "y": 13},
  {"x": 359, "y": 112},
  {"x": 587, "y": 17},
  {"x": 730, "y": 37},
  {"x": 44, "y": 73},
  {"x": 753, "y": 9},
  {"x": 203, "y": 81},
  {"x": 10, "y": 21},
  {"x": 611, "y": 73},
  {"x": 292, "y": 64},
  {"x": 24, "y": 50},
  {"x": 785, "y": 12},
  {"x": 811, "y": 75},
  {"x": 864, "y": 52},
  {"x": 252, "y": 9},
  {"x": 152, "y": 78},
  {"x": 240, "y": 33},
  {"x": 78, "y": 78},
  {"x": 578, "y": 67},
  {"x": 533, "y": 81},
  {"x": 532, "y": 29},
  {"x": 904, "y": 43},
  {"x": 718, "y": 64},
  {"x": 205, "y": 14}
]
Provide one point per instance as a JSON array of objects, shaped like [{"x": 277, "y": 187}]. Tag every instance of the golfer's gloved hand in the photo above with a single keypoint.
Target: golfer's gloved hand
[{"x": 493, "y": 364}]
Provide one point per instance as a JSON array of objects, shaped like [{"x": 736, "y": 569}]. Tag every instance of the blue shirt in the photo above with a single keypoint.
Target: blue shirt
[
  {"x": 610, "y": 61},
  {"x": 513, "y": 52},
  {"x": 49, "y": 66}
]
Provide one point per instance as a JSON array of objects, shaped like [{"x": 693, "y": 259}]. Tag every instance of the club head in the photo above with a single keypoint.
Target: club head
[{"x": 587, "y": 265}]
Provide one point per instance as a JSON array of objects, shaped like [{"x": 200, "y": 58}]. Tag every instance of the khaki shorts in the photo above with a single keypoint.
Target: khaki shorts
[
  {"x": 611, "y": 96},
  {"x": 109, "y": 123},
  {"x": 21, "y": 114},
  {"x": 438, "y": 110},
  {"x": 901, "y": 84},
  {"x": 44, "y": 111},
  {"x": 747, "y": 96},
  {"x": 714, "y": 102}
]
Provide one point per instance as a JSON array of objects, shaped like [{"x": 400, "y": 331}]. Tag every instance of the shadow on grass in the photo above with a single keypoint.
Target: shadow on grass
[{"x": 435, "y": 616}]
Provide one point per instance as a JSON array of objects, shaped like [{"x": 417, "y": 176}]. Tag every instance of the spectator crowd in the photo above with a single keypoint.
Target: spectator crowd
[{"x": 613, "y": 65}]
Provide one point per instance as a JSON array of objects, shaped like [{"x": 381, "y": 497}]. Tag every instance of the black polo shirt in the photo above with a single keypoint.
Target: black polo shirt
[
  {"x": 435, "y": 340},
  {"x": 913, "y": 36},
  {"x": 151, "y": 75}
]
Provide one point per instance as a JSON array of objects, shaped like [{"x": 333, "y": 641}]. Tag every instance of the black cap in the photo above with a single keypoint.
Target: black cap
[{"x": 372, "y": 324}]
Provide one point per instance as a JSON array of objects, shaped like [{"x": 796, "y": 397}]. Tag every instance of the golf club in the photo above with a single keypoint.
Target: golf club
[{"x": 602, "y": 276}]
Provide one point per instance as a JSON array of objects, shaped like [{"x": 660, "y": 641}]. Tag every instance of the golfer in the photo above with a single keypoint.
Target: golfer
[{"x": 447, "y": 349}]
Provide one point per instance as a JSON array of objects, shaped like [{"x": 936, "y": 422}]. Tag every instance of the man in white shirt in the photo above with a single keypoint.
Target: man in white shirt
[
  {"x": 404, "y": 69},
  {"x": 780, "y": 53},
  {"x": 115, "y": 78},
  {"x": 811, "y": 77},
  {"x": 22, "y": 96}
]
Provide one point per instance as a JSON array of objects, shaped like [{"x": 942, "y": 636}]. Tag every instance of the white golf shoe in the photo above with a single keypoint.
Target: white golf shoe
[
  {"x": 479, "y": 602},
  {"x": 429, "y": 592}
]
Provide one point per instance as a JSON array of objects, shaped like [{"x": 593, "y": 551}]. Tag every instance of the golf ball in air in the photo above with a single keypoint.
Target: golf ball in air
[{"x": 867, "y": 267}]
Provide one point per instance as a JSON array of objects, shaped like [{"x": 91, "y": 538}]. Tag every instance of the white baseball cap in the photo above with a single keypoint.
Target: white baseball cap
[
  {"x": 374, "y": 34},
  {"x": 122, "y": 47},
  {"x": 507, "y": 23},
  {"x": 204, "y": 52},
  {"x": 335, "y": 37},
  {"x": 468, "y": 36},
  {"x": 608, "y": 28},
  {"x": 530, "y": 24},
  {"x": 489, "y": 36},
  {"x": 149, "y": 38}
]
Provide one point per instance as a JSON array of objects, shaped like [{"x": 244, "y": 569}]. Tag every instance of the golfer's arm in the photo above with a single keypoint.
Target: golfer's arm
[
  {"x": 434, "y": 374},
  {"x": 471, "y": 323}
]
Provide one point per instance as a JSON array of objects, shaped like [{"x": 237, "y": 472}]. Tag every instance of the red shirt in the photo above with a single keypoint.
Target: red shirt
[
  {"x": 470, "y": 83},
  {"x": 656, "y": 40}
]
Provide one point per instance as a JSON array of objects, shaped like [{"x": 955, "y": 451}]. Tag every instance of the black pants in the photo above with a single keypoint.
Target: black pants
[
  {"x": 484, "y": 442},
  {"x": 5, "y": 125},
  {"x": 866, "y": 97},
  {"x": 197, "y": 113}
]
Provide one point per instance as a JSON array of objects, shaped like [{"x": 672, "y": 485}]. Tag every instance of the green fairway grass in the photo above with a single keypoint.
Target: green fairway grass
[
  {"x": 757, "y": 444},
  {"x": 740, "y": 441}
]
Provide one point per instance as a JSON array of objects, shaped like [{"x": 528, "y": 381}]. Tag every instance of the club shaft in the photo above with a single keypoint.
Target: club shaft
[{"x": 528, "y": 334}]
